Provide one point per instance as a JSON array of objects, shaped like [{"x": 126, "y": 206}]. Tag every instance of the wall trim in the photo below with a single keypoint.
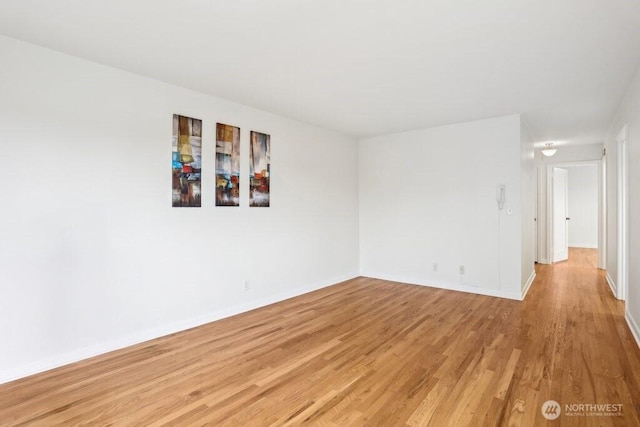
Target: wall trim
[
  {"x": 73, "y": 356},
  {"x": 543, "y": 261},
  {"x": 450, "y": 287},
  {"x": 633, "y": 326},
  {"x": 528, "y": 284},
  {"x": 612, "y": 285}
]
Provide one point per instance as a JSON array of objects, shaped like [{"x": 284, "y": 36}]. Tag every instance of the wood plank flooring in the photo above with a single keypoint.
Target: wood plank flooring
[{"x": 365, "y": 352}]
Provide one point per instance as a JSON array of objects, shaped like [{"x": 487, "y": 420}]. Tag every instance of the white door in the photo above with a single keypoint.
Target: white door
[
  {"x": 622, "y": 281},
  {"x": 560, "y": 215}
]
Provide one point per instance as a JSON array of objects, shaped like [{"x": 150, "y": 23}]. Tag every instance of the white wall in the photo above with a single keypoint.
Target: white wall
[
  {"x": 528, "y": 189},
  {"x": 583, "y": 206},
  {"x": 92, "y": 255},
  {"x": 564, "y": 155},
  {"x": 629, "y": 114},
  {"x": 429, "y": 196}
]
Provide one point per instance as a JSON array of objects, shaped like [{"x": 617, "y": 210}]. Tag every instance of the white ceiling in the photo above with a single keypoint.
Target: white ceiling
[{"x": 366, "y": 67}]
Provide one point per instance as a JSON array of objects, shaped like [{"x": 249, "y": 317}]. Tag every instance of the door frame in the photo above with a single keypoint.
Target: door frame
[
  {"x": 602, "y": 207},
  {"x": 537, "y": 216},
  {"x": 622, "y": 197}
]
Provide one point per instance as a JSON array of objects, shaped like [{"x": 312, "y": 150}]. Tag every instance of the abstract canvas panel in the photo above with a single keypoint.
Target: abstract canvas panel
[
  {"x": 260, "y": 169},
  {"x": 187, "y": 161},
  {"x": 227, "y": 165}
]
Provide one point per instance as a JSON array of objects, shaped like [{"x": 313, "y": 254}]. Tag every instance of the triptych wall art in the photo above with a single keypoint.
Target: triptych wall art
[{"x": 187, "y": 165}]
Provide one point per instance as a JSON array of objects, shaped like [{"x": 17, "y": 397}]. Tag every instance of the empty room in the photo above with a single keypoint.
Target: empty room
[{"x": 257, "y": 213}]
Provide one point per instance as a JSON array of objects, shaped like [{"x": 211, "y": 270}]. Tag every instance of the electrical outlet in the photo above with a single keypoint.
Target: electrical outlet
[
  {"x": 435, "y": 266},
  {"x": 461, "y": 270},
  {"x": 246, "y": 285}
]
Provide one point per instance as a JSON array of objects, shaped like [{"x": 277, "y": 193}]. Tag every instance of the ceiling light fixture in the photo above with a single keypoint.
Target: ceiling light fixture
[{"x": 548, "y": 149}]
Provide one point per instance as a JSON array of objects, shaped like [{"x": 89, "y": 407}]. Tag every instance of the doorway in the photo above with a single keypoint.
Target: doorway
[
  {"x": 560, "y": 217},
  {"x": 576, "y": 209}
]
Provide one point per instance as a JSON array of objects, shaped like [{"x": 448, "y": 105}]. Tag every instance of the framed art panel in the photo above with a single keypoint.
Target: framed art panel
[
  {"x": 260, "y": 169},
  {"x": 186, "y": 161},
  {"x": 227, "y": 165}
]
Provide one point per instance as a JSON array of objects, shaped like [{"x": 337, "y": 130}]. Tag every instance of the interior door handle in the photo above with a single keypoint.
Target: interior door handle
[{"x": 567, "y": 218}]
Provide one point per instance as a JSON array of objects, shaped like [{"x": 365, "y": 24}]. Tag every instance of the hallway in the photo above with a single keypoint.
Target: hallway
[{"x": 576, "y": 346}]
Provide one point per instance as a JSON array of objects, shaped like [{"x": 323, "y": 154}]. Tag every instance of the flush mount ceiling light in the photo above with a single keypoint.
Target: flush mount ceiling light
[{"x": 548, "y": 149}]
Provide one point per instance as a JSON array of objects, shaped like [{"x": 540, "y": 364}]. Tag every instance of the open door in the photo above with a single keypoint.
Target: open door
[{"x": 560, "y": 216}]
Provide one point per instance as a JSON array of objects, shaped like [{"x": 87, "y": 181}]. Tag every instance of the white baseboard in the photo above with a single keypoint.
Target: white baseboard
[
  {"x": 633, "y": 325},
  {"x": 543, "y": 261},
  {"x": 584, "y": 245},
  {"x": 66, "y": 358},
  {"x": 527, "y": 285},
  {"x": 612, "y": 285},
  {"x": 451, "y": 287}
]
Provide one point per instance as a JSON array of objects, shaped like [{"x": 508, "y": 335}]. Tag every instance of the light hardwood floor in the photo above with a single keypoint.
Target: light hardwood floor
[{"x": 365, "y": 352}]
